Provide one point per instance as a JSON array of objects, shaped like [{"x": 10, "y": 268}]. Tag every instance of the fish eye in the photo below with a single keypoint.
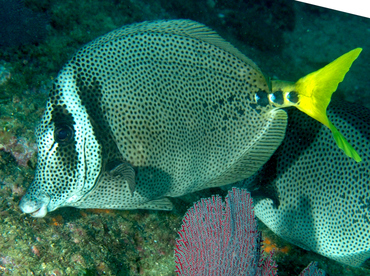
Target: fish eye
[{"x": 63, "y": 134}]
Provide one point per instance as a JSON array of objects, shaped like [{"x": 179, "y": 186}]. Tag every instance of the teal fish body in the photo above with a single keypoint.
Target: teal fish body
[
  {"x": 150, "y": 111},
  {"x": 323, "y": 198}
]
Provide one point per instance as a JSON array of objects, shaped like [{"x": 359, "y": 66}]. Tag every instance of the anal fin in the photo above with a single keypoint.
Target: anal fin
[
  {"x": 257, "y": 152},
  {"x": 163, "y": 204}
]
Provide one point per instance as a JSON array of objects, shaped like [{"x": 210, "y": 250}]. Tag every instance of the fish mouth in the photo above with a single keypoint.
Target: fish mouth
[
  {"x": 41, "y": 212},
  {"x": 37, "y": 209}
]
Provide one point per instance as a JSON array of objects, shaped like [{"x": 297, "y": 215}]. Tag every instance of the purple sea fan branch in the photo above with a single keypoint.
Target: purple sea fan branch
[
  {"x": 195, "y": 247},
  {"x": 269, "y": 267},
  {"x": 312, "y": 270},
  {"x": 219, "y": 238}
]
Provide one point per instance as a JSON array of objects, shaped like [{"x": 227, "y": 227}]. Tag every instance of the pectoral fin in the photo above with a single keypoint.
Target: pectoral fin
[{"x": 127, "y": 172}]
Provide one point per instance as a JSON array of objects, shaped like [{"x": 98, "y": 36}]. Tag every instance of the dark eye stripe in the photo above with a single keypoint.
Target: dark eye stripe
[
  {"x": 66, "y": 153},
  {"x": 90, "y": 93}
]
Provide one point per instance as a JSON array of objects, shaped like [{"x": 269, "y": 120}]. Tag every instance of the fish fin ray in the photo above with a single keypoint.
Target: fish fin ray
[
  {"x": 257, "y": 153},
  {"x": 127, "y": 172},
  {"x": 315, "y": 91},
  {"x": 186, "y": 28},
  {"x": 343, "y": 144},
  {"x": 162, "y": 204},
  {"x": 202, "y": 32}
]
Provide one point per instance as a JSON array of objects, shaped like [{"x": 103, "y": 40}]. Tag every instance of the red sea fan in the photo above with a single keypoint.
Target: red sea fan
[{"x": 219, "y": 238}]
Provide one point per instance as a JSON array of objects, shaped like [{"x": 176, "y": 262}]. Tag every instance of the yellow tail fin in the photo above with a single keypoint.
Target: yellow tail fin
[{"x": 315, "y": 90}]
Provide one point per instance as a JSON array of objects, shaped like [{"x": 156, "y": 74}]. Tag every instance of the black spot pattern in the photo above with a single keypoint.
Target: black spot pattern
[
  {"x": 324, "y": 195},
  {"x": 172, "y": 99}
]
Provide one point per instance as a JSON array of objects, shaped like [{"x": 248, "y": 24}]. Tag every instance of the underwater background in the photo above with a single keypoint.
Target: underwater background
[{"x": 286, "y": 39}]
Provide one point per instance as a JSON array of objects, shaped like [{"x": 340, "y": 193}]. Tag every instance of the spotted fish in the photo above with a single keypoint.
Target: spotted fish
[
  {"x": 161, "y": 109},
  {"x": 323, "y": 197}
]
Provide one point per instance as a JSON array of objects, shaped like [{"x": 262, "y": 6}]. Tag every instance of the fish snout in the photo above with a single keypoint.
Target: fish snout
[{"x": 36, "y": 207}]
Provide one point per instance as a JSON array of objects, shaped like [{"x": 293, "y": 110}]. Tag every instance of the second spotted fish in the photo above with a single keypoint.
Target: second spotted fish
[{"x": 161, "y": 109}]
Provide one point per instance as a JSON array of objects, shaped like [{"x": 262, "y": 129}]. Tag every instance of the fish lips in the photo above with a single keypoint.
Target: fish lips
[{"x": 36, "y": 208}]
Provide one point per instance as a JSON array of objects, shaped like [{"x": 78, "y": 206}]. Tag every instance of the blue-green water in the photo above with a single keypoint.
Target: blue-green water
[{"x": 287, "y": 40}]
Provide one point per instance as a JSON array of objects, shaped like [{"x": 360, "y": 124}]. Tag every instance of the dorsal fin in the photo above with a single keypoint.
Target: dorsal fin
[{"x": 181, "y": 27}]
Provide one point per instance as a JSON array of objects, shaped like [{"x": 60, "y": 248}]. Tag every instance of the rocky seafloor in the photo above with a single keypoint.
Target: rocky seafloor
[{"x": 286, "y": 39}]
